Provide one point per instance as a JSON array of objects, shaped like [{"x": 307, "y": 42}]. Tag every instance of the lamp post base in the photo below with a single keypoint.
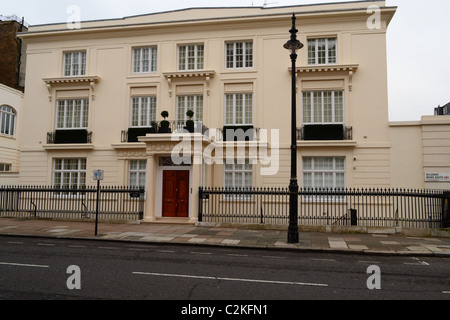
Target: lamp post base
[{"x": 293, "y": 234}]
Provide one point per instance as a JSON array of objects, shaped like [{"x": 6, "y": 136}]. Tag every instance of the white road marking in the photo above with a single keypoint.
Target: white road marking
[
  {"x": 15, "y": 242},
  {"x": 46, "y": 244},
  {"x": 23, "y": 265},
  {"x": 418, "y": 263},
  {"x": 328, "y": 260},
  {"x": 230, "y": 279},
  {"x": 446, "y": 292}
]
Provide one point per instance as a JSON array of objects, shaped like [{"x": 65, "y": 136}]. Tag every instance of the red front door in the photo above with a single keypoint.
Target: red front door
[{"x": 175, "y": 194}]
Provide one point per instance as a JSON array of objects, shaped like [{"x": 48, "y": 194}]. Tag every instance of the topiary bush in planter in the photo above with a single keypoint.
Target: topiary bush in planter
[
  {"x": 190, "y": 124},
  {"x": 164, "y": 125}
]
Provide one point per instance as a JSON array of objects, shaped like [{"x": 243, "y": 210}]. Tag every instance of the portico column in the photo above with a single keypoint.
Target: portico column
[
  {"x": 150, "y": 190},
  {"x": 195, "y": 184}
]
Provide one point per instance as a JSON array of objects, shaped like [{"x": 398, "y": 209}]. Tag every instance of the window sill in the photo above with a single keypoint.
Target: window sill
[
  {"x": 237, "y": 70},
  {"x": 7, "y": 136},
  {"x": 74, "y": 146},
  {"x": 327, "y": 143},
  {"x": 144, "y": 75},
  {"x": 129, "y": 145},
  {"x": 10, "y": 174}
]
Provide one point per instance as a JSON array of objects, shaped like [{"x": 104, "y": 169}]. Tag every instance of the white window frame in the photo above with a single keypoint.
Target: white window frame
[
  {"x": 67, "y": 117},
  {"x": 190, "y": 102},
  {"x": 143, "y": 111},
  {"x": 145, "y": 59},
  {"x": 137, "y": 173},
  {"x": 241, "y": 175},
  {"x": 234, "y": 59},
  {"x": 75, "y": 64},
  {"x": 75, "y": 176},
  {"x": 313, "y": 48},
  {"x": 195, "y": 51},
  {"x": 7, "y": 121},
  {"x": 5, "y": 167},
  {"x": 316, "y": 109},
  {"x": 311, "y": 167},
  {"x": 237, "y": 114}
]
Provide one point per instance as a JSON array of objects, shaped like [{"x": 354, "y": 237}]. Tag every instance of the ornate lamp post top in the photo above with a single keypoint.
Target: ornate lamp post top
[{"x": 294, "y": 44}]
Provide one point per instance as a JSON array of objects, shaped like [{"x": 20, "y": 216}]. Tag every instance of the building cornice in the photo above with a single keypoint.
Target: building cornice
[
  {"x": 207, "y": 16},
  {"x": 327, "y": 68}
]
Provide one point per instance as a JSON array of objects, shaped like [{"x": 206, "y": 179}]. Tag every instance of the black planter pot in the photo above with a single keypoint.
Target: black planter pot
[
  {"x": 190, "y": 129},
  {"x": 164, "y": 130},
  {"x": 134, "y": 133}
]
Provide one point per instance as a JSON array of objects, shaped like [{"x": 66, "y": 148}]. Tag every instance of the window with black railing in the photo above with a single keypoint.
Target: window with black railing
[
  {"x": 238, "y": 117},
  {"x": 71, "y": 123},
  {"x": 323, "y": 117}
]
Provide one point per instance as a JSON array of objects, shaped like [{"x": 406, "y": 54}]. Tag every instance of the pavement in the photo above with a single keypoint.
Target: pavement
[{"x": 237, "y": 237}]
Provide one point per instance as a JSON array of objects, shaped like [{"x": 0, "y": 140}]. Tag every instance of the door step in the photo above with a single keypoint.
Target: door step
[{"x": 174, "y": 221}]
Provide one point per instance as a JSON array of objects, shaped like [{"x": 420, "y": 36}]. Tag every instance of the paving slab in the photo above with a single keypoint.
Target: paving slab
[{"x": 387, "y": 244}]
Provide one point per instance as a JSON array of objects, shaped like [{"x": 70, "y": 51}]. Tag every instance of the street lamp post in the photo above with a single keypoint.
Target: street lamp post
[{"x": 293, "y": 45}]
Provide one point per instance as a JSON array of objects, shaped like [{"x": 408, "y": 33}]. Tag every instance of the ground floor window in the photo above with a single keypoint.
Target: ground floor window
[
  {"x": 138, "y": 173},
  {"x": 69, "y": 173},
  {"x": 239, "y": 174},
  {"x": 5, "y": 167},
  {"x": 324, "y": 172}
]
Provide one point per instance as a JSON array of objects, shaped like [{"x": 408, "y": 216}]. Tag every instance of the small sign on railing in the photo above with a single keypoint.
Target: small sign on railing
[{"x": 99, "y": 175}]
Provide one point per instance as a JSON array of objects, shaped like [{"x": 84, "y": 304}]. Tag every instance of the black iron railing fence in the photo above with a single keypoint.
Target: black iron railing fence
[
  {"x": 115, "y": 203},
  {"x": 362, "y": 207},
  {"x": 172, "y": 126}
]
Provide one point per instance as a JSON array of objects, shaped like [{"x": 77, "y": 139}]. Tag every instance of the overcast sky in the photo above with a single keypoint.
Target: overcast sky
[{"x": 418, "y": 40}]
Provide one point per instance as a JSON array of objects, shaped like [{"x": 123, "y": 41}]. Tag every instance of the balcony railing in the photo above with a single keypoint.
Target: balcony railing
[
  {"x": 69, "y": 137},
  {"x": 331, "y": 132},
  {"x": 174, "y": 126},
  {"x": 238, "y": 133}
]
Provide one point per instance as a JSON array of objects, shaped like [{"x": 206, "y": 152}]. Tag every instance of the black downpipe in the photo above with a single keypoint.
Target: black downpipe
[{"x": 19, "y": 62}]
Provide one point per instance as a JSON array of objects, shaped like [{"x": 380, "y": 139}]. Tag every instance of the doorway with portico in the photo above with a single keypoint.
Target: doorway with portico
[{"x": 175, "y": 189}]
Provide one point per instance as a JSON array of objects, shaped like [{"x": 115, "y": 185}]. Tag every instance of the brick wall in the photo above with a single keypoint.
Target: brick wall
[{"x": 9, "y": 53}]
